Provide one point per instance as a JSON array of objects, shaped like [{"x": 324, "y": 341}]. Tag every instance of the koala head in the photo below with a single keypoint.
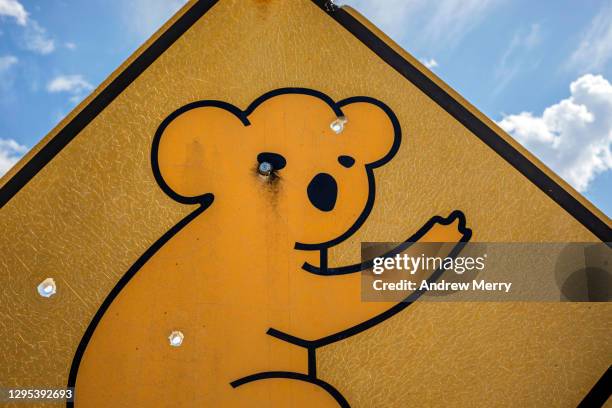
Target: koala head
[{"x": 322, "y": 179}]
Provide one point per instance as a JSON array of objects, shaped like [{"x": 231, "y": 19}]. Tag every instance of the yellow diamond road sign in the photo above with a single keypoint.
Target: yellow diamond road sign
[{"x": 189, "y": 234}]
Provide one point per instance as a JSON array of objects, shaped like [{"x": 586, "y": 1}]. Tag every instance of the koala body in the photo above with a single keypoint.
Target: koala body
[{"x": 231, "y": 276}]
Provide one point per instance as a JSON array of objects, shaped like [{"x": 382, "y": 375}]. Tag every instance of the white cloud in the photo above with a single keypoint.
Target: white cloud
[
  {"x": 595, "y": 50},
  {"x": 429, "y": 63},
  {"x": 35, "y": 37},
  {"x": 452, "y": 19},
  {"x": 7, "y": 75},
  {"x": 441, "y": 22},
  {"x": 7, "y": 61},
  {"x": 73, "y": 84},
  {"x": 144, "y": 17},
  {"x": 393, "y": 16},
  {"x": 14, "y": 9},
  {"x": 516, "y": 56},
  {"x": 70, "y": 45},
  {"x": 37, "y": 40},
  {"x": 573, "y": 136},
  {"x": 10, "y": 153}
]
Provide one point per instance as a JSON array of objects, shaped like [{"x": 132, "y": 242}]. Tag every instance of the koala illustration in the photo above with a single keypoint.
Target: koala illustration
[{"x": 245, "y": 277}]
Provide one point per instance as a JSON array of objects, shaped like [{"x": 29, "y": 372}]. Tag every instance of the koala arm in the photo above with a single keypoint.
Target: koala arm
[
  {"x": 326, "y": 305},
  {"x": 325, "y": 270}
]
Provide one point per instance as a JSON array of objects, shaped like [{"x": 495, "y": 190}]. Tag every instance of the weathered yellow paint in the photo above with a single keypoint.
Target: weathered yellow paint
[{"x": 95, "y": 208}]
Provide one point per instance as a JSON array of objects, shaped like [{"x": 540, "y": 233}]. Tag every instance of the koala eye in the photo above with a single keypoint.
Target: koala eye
[
  {"x": 276, "y": 160},
  {"x": 346, "y": 161}
]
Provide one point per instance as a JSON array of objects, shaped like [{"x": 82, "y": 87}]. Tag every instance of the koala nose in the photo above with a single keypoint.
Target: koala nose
[{"x": 323, "y": 192}]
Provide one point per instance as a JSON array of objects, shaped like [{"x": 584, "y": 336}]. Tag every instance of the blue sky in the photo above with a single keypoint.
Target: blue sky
[{"x": 542, "y": 70}]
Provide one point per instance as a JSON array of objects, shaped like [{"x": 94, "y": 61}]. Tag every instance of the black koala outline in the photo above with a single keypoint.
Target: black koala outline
[{"x": 205, "y": 200}]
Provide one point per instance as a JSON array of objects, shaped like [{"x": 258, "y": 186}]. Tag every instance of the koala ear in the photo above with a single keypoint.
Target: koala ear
[
  {"x": 372, "y": 131},
  {"x": 190, "y": 148}
]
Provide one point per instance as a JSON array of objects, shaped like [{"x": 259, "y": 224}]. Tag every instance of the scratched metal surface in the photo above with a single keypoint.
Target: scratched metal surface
[{"x": 88, "y": 215}]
